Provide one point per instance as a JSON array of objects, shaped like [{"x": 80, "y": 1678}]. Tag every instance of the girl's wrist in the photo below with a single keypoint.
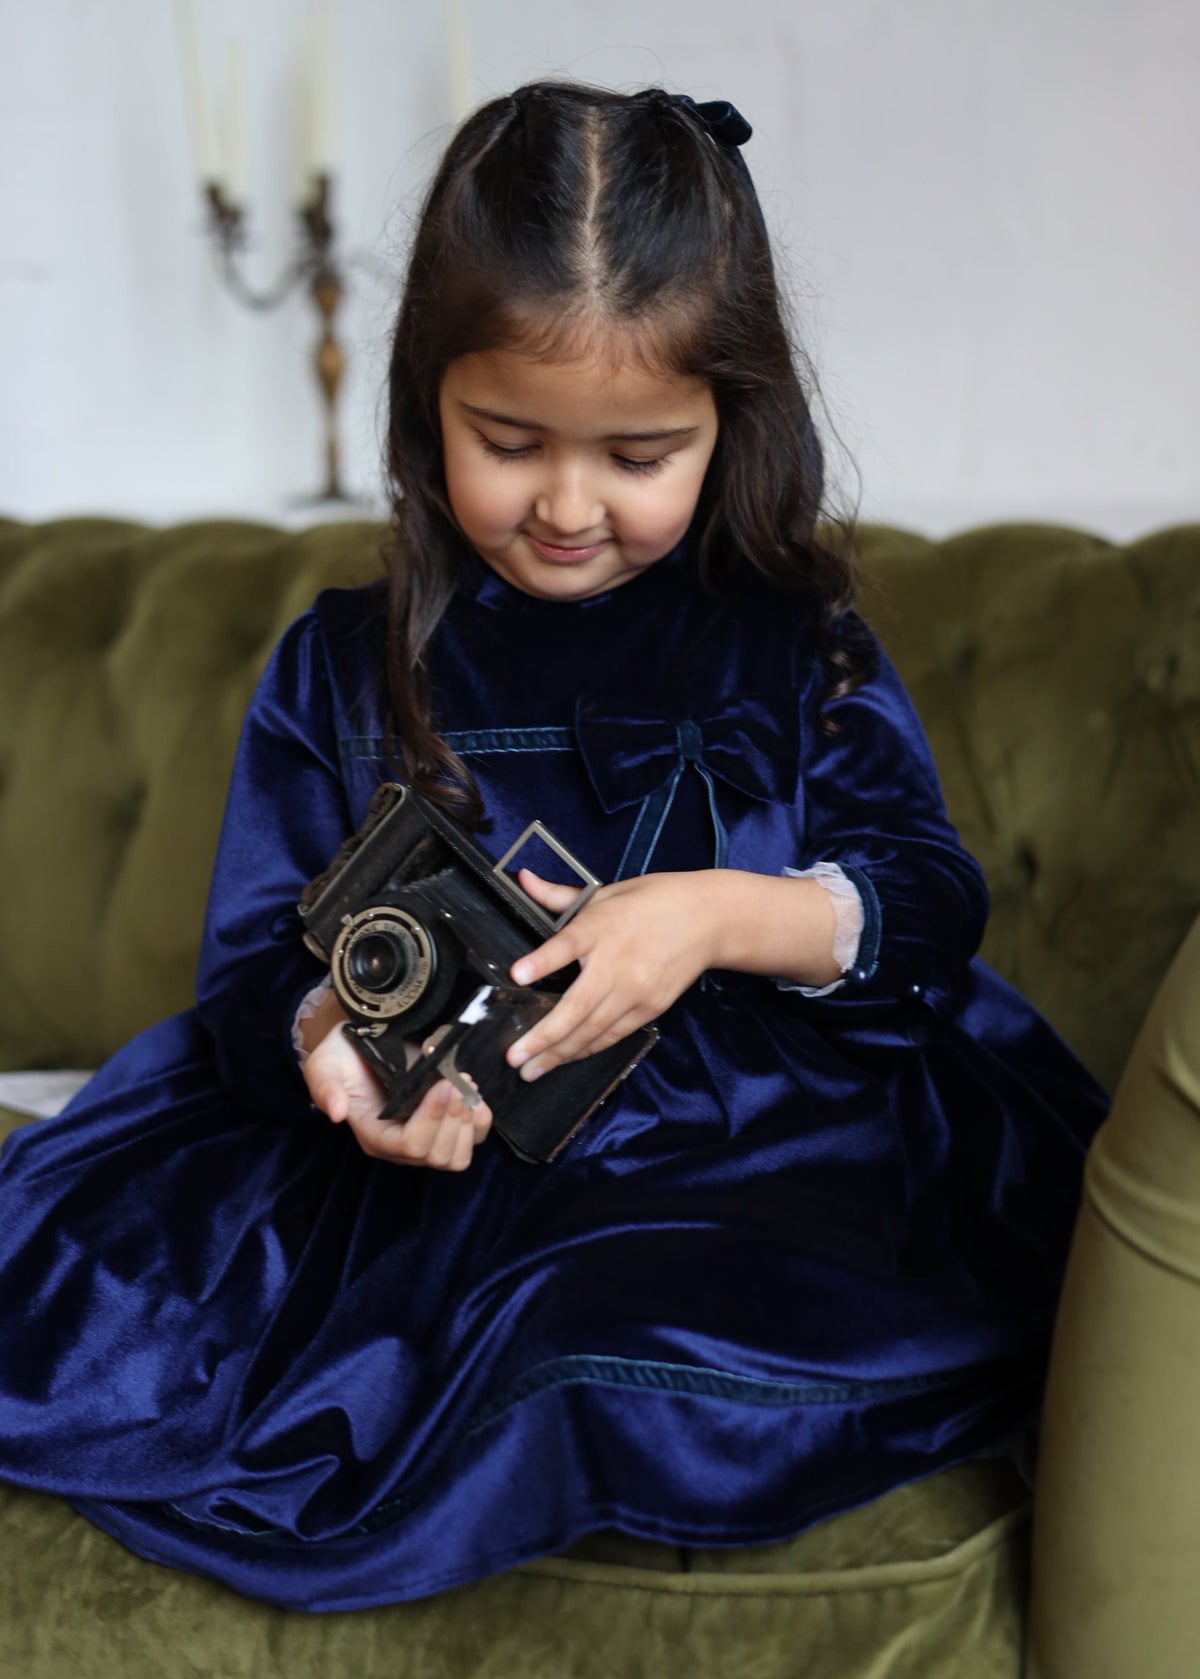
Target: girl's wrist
[
  {"x": 316, "y": 1027},
  {"x": 771, "y": 924}
]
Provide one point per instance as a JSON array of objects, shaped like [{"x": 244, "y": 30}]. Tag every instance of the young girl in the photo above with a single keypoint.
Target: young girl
[{"x": 810, "y": 1249}]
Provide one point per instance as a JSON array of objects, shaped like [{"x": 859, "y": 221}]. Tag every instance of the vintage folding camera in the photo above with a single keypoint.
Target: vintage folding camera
[{"x": 420, "y": 927}]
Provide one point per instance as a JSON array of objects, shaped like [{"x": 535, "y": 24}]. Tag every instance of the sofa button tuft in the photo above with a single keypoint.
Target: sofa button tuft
[
  {"x": 127, "y": 808},
  {"x": 1027, "y": 868}
]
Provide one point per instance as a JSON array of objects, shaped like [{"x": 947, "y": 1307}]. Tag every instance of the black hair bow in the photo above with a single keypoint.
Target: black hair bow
[
  {"x": 723, "y": 121},
  {"x": 725, "y": 124}
]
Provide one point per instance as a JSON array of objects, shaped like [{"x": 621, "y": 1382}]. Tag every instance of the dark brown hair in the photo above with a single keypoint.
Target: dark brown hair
[{"x": 564, "y": 210}]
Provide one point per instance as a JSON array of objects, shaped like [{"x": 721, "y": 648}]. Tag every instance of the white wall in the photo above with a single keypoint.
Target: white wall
[{"x": 988, "y": 209}]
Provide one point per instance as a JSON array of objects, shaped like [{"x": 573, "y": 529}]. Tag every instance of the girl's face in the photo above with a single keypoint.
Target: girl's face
[{"x": 570, "y": 477}]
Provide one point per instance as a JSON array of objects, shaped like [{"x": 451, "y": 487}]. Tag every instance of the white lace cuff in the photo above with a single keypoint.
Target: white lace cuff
[
  {"x": 848, "y": 923},
  {"x": 309, "y": 1004}
]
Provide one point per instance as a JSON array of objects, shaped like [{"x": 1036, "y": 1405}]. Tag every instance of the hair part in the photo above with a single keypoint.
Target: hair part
[{"x": 563, "y": 221}]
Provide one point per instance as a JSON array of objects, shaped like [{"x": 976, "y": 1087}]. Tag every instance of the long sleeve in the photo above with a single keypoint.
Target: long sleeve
[
  {"x": 285, "y": 816},
  {"x": 873, "y": 805}
]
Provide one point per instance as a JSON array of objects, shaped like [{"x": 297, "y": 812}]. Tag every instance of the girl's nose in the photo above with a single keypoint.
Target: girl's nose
[{"x": 568, "y": 505}]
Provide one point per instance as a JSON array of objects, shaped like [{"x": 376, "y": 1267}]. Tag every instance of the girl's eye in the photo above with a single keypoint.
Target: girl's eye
[
  {"x": 505, "y": 454},
  {"x": 624, "y": 462},
  {"x": 658, "y": 465}
]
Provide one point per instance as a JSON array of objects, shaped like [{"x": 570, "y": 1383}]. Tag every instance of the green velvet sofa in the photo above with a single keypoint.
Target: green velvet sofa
[{"x": 1059, "y": 678}]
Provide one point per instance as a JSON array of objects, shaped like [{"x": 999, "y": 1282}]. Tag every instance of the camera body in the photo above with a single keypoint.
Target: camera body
[{"x": 420, "y": 926}]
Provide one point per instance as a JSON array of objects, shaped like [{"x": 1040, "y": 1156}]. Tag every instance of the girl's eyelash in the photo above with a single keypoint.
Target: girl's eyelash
[
  {"x": 504, "y": 454},
  {"x": 658, "y": 465},
  {"x": 623, "y": 461}
]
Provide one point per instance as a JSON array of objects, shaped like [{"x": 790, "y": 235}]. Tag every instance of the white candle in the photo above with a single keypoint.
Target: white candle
[
  {"x": 204, "y": 130},
  {"x": 459, "y": 55},
  {"x": 235, "y": 122},
  {"x": 320, "y": 160},
  {"x": 302, "y": 117}
]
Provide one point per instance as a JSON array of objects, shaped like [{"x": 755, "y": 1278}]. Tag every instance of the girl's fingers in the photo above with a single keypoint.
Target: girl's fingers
[
  {"x": 464, "y": 1147},
  {"x": 455, "y": 1142},
  {"x": 573, "y": 1021},
  {"x": 441, "y": 1150},
  {"x": 548, "y": 893},
  {"x": 338, "y": 1080},
  {"x": 401, "y": 1139},
  {"x": 456, "y": 1119},
  {"x": 442, "y": 1131},
  {"x": 561, "y": 948},
  {"x": 596, "y": 1032},
  {"x": 548, "y": 958},
  {"x": 331, "y": 1097},
  {"x": 572, "y": 1049}
]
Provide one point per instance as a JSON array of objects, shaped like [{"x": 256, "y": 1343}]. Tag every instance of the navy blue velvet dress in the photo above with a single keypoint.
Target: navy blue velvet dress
[{"x": 809, "y": 1250}]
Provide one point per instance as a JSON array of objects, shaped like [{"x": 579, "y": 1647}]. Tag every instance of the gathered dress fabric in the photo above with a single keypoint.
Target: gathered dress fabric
[{"x": 810, "y": 1249}]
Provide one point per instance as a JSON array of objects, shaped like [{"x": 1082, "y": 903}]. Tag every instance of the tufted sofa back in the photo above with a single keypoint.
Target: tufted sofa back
[{"x": 1058, "y": 677}]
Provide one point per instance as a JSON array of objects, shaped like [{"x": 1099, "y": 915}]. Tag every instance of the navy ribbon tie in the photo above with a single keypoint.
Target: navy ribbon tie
[{"x": 751, "y": 744}]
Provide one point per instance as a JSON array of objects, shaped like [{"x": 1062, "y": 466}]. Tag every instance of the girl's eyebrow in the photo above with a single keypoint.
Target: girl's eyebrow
[{"x": 613, "y": 437}]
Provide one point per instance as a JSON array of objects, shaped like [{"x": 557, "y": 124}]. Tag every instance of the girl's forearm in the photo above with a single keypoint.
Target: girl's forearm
[
  {"x": 759, "y": 924},
  {"x": 771, "y": 924}
]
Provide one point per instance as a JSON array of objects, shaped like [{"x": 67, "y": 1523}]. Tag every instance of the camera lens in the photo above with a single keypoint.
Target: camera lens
[
  {"x": 379, "y": 961},
  {"x": 382, "y": 962}
]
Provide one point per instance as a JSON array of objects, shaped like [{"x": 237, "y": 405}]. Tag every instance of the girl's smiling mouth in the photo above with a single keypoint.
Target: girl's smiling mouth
[{"x": 563, "y": 551}]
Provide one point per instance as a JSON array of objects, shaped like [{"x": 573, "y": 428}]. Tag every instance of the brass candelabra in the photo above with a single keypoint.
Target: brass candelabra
[{"x": 313, "y": 265}]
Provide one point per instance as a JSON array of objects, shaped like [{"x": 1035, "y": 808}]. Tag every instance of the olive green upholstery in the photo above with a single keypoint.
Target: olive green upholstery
[
  {"x": 1059, "y": 678},
  {"x": 943, "y": 1605}
]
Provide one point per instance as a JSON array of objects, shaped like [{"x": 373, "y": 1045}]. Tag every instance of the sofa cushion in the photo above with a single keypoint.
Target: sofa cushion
[{"x": 948, "y": 1603}]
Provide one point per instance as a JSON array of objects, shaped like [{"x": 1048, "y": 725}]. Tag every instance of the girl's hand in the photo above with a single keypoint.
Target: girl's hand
[
  {"x": 639, "y": 943},
  {"x": 442, "y": 1131}
]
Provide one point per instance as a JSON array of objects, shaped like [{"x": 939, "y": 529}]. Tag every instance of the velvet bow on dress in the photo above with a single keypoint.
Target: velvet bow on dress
[{"x": 751, "y": 744}]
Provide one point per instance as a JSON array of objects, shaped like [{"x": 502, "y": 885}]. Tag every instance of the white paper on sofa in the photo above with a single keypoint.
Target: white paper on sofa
[{"x": 40, "y": 1094}]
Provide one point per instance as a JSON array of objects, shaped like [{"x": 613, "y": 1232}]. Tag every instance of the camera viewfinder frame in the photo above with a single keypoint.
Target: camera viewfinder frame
[{"x": 590, "y": 882}]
